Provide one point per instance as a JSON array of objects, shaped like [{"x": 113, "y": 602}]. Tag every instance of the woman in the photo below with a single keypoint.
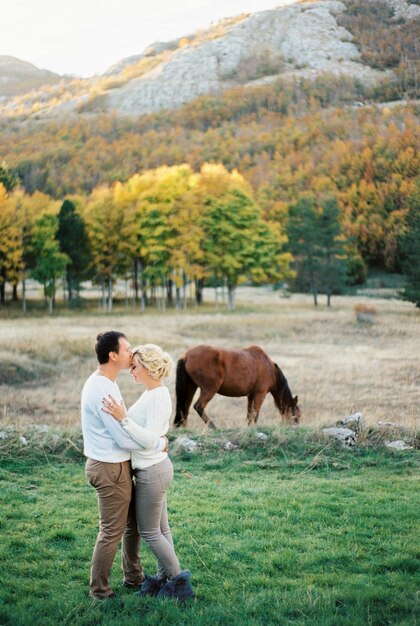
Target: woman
[{"x": 153, "y": 469}]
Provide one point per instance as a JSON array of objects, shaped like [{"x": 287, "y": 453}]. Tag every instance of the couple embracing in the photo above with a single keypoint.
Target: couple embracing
[{"x": 121, "y": 445}]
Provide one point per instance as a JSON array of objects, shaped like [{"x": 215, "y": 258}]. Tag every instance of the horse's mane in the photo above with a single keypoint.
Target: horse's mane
[{"x": 282, "y": 395}]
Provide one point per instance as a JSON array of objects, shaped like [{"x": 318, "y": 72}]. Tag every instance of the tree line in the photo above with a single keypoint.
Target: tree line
[
  {"x": 165, "y": 230},
  {"x": 162, "y": 230},
  {"x": 171, "y": 228}
]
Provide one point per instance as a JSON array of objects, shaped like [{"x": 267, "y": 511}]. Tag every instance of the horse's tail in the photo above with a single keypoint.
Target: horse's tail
[{"x": 185, "y": 389}]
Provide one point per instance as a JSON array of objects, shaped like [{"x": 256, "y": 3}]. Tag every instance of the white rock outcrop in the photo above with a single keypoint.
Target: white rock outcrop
[
  {"x": 301, "y": 39},
  {"x": 404, "y": 9}
]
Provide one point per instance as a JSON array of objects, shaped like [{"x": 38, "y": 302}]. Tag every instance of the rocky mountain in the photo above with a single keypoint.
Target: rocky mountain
[
  {"x": 303, "y": 39},
  {"x": 19, "y": 77}
]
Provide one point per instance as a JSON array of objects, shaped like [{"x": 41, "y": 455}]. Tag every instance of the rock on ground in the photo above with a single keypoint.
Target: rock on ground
[
  {"x": 185, "y": 444},
  {"x": 398, "y": 444},
  {"x": 347, "y": 437}
]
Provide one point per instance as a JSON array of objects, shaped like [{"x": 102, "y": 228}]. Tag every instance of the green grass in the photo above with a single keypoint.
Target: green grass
[{"x": 292, "y": 530}]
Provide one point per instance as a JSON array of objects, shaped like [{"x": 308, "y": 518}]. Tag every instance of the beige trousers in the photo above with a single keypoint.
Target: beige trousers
[
  {"x": 152, "y": 515},
  {"x": 117, "y": 520}
]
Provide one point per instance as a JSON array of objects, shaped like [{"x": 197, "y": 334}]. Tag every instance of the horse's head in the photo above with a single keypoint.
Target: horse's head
[
  {"x": 291, "y": 412},
  {"x": 286, "y": 403}
]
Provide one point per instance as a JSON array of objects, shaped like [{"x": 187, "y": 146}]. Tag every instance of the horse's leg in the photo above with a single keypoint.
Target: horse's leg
[
  {"x": 250, "y": 411},
  {"x": 200, "y": 405},
  {"x": 258, "y": 400}
]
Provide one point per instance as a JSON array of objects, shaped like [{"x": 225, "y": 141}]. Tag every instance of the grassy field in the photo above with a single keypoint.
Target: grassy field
[
  {"x": 335, "y": 364},
  {"x": 290, "y": 531}
]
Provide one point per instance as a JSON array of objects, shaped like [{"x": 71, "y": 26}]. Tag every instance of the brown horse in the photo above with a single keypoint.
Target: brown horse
[{"x": 234, "y": 373}]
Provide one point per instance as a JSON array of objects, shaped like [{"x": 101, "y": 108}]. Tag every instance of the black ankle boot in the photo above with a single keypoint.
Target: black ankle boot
[
  {"x": 151, "y": 586},
  {"x": 178, "y": 587}
]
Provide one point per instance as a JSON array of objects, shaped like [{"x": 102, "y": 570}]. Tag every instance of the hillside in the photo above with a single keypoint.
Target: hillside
[
  {"x": 20, "y": 77},
  {"x": 302, "y": 40}
]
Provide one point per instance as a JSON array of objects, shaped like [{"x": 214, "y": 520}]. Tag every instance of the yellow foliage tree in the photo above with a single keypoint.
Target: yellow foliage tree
[{"x": 105, "y": 224}]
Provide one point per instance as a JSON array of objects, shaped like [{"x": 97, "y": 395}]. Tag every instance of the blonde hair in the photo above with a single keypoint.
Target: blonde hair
[{"x": 157, "y": 362}]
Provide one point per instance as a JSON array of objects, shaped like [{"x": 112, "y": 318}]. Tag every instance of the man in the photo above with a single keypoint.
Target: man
[{"x": 107, "y": 448}]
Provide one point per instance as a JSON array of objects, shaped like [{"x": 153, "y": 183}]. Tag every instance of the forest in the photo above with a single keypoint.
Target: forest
[
  {"x": 311, "y": 182},
  {"x": 362, "y": 160}
]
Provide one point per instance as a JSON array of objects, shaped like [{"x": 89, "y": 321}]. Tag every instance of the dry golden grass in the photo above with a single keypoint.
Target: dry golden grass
[{"x": 336, "y": 364}]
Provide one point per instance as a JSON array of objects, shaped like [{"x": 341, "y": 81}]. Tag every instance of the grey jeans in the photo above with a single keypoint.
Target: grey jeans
[{"x": 152, "y": 515}]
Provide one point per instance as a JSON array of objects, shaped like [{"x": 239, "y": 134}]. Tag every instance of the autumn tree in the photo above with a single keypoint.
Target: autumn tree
[
  {"x": 29, "y": 208},
  {"x": 150, "y": 202},
  {"x": 10, "y": 242},
  {"x": 237, "y": 243},
  {"x": 160, "y": 227},
  {"x": 187, "y": 255},
  {"x": 271, "y": 261},
  {"x": 105, "y": 226},
  {"x": 50, "y": 262},
  {"x": 18, "y": 212}
]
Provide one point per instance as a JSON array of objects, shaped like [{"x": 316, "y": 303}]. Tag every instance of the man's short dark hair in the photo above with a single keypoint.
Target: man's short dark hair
[{"x": 107, "y": 342}]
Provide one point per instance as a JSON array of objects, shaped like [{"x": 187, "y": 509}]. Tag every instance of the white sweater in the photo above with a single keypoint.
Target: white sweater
[
  {"x": 147, "y": 420},
  {"x": 103, "y": 437}
]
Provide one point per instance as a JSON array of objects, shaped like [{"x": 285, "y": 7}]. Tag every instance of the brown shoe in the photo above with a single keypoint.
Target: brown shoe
[{"x": 111, "y": 596}]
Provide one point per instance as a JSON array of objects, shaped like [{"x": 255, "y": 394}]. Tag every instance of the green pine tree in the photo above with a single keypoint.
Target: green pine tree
[
  {"x": 333, "y": 262},
  {"x": 73, "y": 241},
  {"x": 8, "y": 179},
  {"x": 410, "y": 254},
  {"x": 304, "y": 243},
  {"x": 317, "y": 242}
]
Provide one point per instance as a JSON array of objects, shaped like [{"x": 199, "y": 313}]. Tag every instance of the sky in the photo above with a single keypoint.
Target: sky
[{"x": 86, "y": 37}]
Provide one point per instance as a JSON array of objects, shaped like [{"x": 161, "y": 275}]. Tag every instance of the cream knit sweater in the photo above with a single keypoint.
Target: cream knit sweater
[{"x": 147, "y": 419}]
